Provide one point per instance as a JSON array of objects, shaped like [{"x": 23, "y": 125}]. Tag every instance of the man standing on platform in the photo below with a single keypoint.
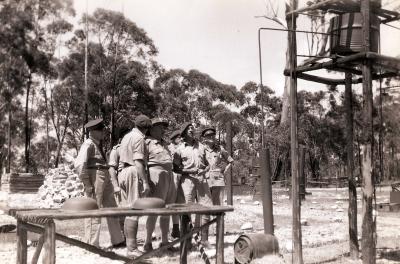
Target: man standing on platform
[
  {"x": 161, "y": 178},
  {"x": 91, "y": 166},
  {"x": 219, "y": 161},
  {"x": 133, "y": 153}
]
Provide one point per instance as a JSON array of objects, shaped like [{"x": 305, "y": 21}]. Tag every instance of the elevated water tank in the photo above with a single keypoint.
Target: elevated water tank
[{"x": 346, "y": 33}]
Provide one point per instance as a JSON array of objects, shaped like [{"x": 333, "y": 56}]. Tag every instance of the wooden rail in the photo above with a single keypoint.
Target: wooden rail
[{"x": 42, "y": 221}]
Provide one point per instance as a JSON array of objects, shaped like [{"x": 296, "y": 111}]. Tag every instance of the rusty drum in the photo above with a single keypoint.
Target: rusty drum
[{"x": 252, "y": 246}]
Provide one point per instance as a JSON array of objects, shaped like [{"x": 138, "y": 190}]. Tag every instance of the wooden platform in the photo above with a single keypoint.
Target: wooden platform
[{"x": 42, "y": 221}]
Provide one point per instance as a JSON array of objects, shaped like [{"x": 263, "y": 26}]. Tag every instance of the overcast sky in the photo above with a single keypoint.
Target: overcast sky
[{"x": 219, "y": 37}]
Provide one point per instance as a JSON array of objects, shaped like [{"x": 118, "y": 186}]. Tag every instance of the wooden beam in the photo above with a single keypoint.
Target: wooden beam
[
  {"x": 296, "y": 209},
  {"x": 75, "y": 242},
  {"x": 266, "y": 191},
  {"x": 39, "y": 247},
  {"x": 37, "y": 216},
  {"x": 22, "y": 248},
  {"x": 342, "y": 68},
  {"x": 229, "y": 179},
  {"x": 220, "y": 240},
  {"x": 318, "y": 79},
  {"x": 49, "y": 243},
  {"x": 352, "y": 211},
  {"x": 368, "y": 224},
  {"x": 331, "y": 63},
  {"x": 302, "y": 175},
  {"x": 183, "y": 249}
]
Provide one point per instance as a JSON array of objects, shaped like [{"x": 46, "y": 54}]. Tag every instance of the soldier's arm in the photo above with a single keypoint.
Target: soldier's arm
[
  {"x": 141, "y": 170},
  {"x": 139, "y": 157},
  {"x": 85, "y": 153},
  {"x": 114, "y": 169},
  {"x": 227, "y": 158},
  {"x": 177, "y": 162}
]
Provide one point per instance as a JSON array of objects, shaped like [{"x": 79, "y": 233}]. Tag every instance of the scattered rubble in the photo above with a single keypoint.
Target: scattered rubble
[{"x": 59, "y": 185}]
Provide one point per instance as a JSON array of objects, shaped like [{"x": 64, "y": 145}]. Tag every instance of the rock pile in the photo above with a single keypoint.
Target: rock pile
[{"x": 59, "y": 185}]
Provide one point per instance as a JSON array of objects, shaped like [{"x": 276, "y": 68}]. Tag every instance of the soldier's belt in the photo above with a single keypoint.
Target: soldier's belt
[
  {"x": 99, "y": 167},
  {"x": 126, "y": 165},
  {"x": 167, "y": 167}
]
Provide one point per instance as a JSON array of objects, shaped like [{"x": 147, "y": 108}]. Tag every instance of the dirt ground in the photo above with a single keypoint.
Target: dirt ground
[{"x": 324, "y": 231}]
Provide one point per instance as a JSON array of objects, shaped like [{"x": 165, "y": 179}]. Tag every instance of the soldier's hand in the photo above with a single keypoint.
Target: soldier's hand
[
  {"x": 117, "y": 194},
  {"x": 117, "y": 197},
  {"x": 146, "y": 189},
  {"x": 117, "y": 190},
  {"x": 89, "y": 191}
]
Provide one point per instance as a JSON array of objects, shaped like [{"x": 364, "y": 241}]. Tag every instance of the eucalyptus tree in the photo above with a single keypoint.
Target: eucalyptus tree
[
  {"x": 25, "y": 28},
  {"x": 123, "y": 44},
  {"x": 192, "y": 96}
]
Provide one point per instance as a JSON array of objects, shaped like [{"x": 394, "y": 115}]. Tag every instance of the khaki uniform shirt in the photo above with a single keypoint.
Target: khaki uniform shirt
[
  {"x": 90, "y": 157},
  {"x": 114, "y": 160},
  {"x": 190, "y": 156},
  {"x": 217, "y": 158},
  {"x": 158, "y": 153},
  {"x": 133, "y": 147}
]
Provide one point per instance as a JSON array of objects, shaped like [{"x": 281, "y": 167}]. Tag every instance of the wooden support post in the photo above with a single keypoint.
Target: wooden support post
[
  {"x": 49, "y": 243},
  {"x": 266, "y": 191},
  {"x": 39, "y": 247},
  {"x": 302, "y": 175},
  {"x": 228, "y": 187},
  {"x": 74, "y": 242},
  {"x": 368, "y": 224},
  {"x": 22, "y": 248},
  {"x": 352, "y": 211},
  {"x": 220, "y": 239},
  {"x": 184, "y": 223},
  {"x": 294, "y": 152}
]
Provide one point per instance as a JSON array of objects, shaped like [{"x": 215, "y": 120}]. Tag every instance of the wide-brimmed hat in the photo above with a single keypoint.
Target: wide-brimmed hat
[
  {"x": 159, "y": 121},
  {"x": 208, "y": 131},
  {"x": 175, "y": 134},
  {"x": 96, "y": 124},
  {"x": 142, "y": 121},
  {"x": 184, "y": 127}
]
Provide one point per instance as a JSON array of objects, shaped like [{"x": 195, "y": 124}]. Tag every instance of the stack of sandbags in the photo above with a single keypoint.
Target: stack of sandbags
[{"x": 59, "y": 185}]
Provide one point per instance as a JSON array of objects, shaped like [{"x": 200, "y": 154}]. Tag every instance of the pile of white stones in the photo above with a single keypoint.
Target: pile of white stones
[{"x": 59, "y": 185}]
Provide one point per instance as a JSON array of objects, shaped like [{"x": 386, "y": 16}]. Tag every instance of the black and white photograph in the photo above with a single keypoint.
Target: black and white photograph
[{"x": 200, "y": 131}]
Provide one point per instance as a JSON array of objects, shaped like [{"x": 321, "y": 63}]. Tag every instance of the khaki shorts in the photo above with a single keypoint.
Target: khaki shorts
[
  {"x": 129, "y": 184},
  {"x": 162, "y": 184}
]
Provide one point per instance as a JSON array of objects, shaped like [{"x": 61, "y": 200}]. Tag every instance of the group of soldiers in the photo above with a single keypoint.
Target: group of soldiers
[{"x": 143, "y": 164}]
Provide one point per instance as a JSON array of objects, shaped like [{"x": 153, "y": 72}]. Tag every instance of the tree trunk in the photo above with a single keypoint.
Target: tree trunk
[
  {"x": 8, "y": 170},
  {"x": 27, "y": 137},
  {"x": 61, "y": 138},
  {"x": 352, "y": 211},
  {"x": 47, "y": 129}
]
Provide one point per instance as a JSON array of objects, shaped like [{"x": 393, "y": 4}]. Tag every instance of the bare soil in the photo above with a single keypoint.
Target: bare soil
[{"x": 324, "y": 231}]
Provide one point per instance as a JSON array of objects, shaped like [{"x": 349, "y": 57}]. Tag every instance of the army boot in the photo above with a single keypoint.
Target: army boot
[{"x": 130, "y": 230}]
